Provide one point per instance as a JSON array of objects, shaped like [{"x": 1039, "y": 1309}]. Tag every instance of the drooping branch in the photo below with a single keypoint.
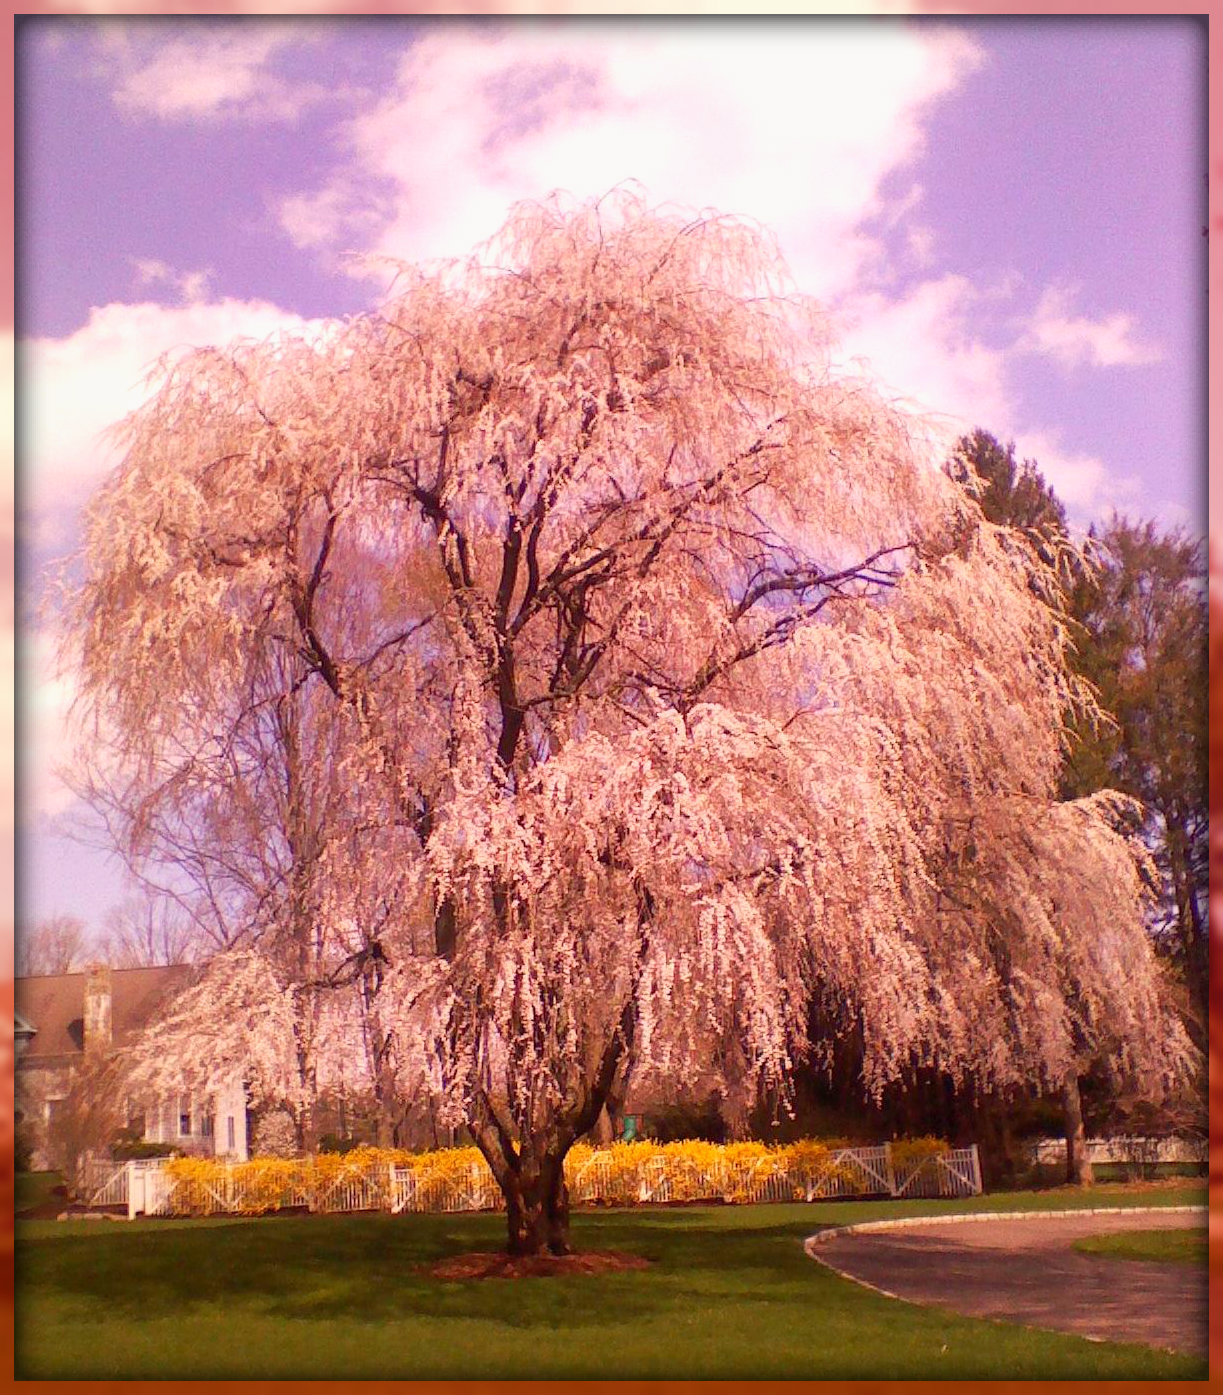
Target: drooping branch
[{"x": 615, "y": 757}]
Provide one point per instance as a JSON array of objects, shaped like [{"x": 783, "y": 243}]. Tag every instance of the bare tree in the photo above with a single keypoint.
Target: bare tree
[
  {"x": 57, "y": 945},
  {"x": 143, "y": 931},
  {"x": 228, "y": 836},
  {"x": 664, "y": 683},
  {"x": 87, "y": 1120}
]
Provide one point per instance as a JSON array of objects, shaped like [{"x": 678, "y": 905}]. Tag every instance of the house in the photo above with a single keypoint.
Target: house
[{"x": 62, "y": 1020}]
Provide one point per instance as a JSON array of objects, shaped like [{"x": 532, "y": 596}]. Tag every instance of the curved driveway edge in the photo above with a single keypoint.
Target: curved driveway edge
[{"x": 1017, "y": 1266}]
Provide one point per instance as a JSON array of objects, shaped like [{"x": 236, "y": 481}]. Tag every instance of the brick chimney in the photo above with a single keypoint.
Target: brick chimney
[{"x": 97, "y": 1009}]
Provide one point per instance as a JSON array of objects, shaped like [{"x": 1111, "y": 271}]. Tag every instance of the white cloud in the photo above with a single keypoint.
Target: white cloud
[
  {"x": 802, "y": 125},
  {"x": 345, "y": 217},
  {"x": 46, "y": 697},
  {"x": 192, "y": 286},
  {"x": 795, "y": 123},
  {"x": 924, "y": 350},
  {"x": 1077, "y": 340},
  {"x": 71, "y": 390},
  {"x": 920, "y": 244},
  {"x": 1082, "y": 481},
  {"x": 209, "y": 70},
  {"x": 921, "y": 348}
]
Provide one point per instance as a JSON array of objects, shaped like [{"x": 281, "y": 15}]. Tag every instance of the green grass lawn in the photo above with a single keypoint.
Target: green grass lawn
[
  {"x": 730, "y": 1294},
  {"x": 1167, "y": 1246},
  {"x": 34, "y": 1188}
]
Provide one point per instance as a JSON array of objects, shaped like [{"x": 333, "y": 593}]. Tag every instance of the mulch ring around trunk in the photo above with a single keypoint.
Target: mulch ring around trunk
[{"x": 500, "y": 1265}]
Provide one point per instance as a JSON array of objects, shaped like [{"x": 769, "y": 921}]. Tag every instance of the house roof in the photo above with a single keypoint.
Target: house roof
[{"x": 54, "y": 1005}]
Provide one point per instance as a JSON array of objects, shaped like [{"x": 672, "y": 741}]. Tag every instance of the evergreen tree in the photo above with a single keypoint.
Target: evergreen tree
[
  {"x": 1013, "y": 492},
  {"x": 1144, "y": 646}
]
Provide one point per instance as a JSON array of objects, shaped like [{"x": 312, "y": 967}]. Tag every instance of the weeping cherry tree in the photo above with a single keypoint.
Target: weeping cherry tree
[{"x": 671, "y": 683}]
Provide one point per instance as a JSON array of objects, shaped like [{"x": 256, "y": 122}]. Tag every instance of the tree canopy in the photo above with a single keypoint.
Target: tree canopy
[
  {"x": 1143, "y": 643},
  {"x": 1011, "y": 492},
  {"x": 56, "y": 945},
  {"x": 660, "y": 684}
]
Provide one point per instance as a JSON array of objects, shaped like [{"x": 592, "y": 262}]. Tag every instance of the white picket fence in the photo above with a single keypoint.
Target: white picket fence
[
  {"x": 147, "y": 1188},
  {"x": 103, "y": 1182},
  {"x": 1125, "y": 1149},
  {"x": 956, "y": 1173},
  {"x": 413, "y": 1191}
]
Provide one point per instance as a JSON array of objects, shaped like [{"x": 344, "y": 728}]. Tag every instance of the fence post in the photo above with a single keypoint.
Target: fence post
[
  {"x": 889, "y": 1173},
  {"x": 976, "y": 1171},
  {"x": 131, "y": 1191},
  {"x": 165, "y": 1187}
]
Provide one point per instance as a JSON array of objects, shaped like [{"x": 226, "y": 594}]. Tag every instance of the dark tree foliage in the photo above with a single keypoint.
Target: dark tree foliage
[
  {"x": 1144, "y": 646},
  {"x": 1015, "y": 492}
]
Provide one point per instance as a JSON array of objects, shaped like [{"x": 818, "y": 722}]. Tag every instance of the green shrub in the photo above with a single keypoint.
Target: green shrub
[
  {"x": 126, "y": 1151},
  {"x": 689, "y": 1119},
  {"x": 337, "y": 1143}
]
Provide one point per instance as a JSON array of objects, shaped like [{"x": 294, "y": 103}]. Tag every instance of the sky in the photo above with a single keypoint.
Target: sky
[{"x": 1006, "y": 218}]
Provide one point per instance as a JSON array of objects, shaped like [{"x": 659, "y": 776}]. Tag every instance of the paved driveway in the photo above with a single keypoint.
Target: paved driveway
[{"x": 1024, "y": 1271}]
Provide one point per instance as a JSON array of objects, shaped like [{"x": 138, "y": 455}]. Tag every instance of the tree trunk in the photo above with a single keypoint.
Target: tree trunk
[
  {"x": 307, "y": 1127},
  {"x": 529, "y": 1165},
  {"x": 384, "y": 1128},
  {"x": 1078, "y": 1165},
  {"x": 1193, "y": 931},
  {"x": 389, "y": 1113},
  {"x": 991, "y": 1117},
  {"x": 537, "y": 1207},
  {"x": 604, "y": 1132}
]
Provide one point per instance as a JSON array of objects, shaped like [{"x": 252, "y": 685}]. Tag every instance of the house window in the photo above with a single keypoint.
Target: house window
[
  {"x": 206, "y": 1125},
  {"x": 229, "y": 1133},
  {"x": 184, "y": 1116}
]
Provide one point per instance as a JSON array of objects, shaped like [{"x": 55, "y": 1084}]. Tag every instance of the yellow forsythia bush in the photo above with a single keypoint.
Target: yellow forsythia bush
[
  {"x": 619, "y": 1174},
  {"x": 909, "y": 1152},
  {"x": 262, "y": 1184}
]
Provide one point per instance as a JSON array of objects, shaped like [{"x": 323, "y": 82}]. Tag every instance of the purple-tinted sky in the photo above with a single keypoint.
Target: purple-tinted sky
[
  {"x": 1077, "y": 155},
  {"x": 1006, "y": 217}
]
